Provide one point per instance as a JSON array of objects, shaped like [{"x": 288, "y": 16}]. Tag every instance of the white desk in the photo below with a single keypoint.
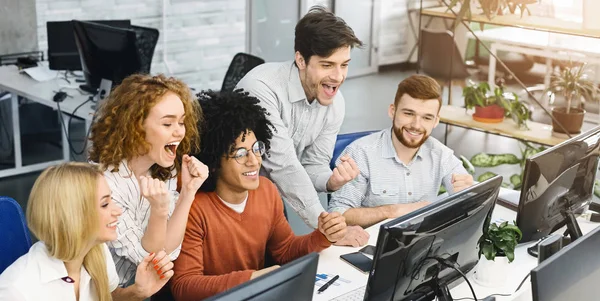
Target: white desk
[
  {"x": 329, "y": 263},
  {"x": 549, "y": 45},
  {"x": 41, "y": 92}
]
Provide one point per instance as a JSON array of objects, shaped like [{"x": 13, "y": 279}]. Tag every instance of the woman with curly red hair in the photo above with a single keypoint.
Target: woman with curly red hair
[{"x": 141, "y": 138}]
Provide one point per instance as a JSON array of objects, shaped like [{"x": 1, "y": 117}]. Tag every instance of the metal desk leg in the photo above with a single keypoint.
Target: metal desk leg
[
  {"x": 446, "y": 135},
  {"x": 65, "y": 141},
  {"x": 14, "y": 105},
  {"x": 492, "y": 66}
]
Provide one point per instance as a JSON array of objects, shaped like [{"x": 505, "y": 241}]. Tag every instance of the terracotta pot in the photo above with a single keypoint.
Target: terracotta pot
[
  {"x": 489, "y": 114},
  {"x": 571, "y": 121}
]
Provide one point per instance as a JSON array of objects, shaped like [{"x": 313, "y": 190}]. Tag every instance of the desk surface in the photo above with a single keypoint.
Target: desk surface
[
  {"x": 515, "y": 20},
  {"x": 538, "y": 132},
  {"x": 541, "y": 39},
  {"x": 43, "y": 92},
  {"x": 329, "y": 263}
]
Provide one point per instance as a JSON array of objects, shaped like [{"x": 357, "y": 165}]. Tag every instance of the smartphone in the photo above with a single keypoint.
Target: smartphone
[
  {"x": 359, "y": 261},
  {"x": 368, "y": 250}
]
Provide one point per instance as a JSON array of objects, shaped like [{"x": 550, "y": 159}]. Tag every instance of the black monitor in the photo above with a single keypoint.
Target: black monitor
[
  {"x": 570, "y": 274},
  {"x": 558, "y": 184},
  {"x": 62, "y": 50},
  {"x": 406, "y": 263},
  {"x": 106, "y": 52},
  {"x": 292, "y": 281}
]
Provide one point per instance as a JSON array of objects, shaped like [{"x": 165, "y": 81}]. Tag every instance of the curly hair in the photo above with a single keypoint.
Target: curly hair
[
  {"x": 226, "y": 117},
  {"x": 118, "y": 131}
]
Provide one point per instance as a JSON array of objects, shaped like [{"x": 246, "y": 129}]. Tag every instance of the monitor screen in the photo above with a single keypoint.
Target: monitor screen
[
  {"x": 292, "y": 281},
  {"x": 106, "y": 52},
  {"x": 404, "y": 267},
  {"x": 558, "y": 183},
  {"x": 62, "y": 50},
  {"x": 570, "y": 274}
]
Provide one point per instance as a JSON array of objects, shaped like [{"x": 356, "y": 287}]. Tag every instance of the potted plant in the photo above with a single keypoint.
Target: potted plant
[
  {"x": 497, "y": 244},
  {"x": 490, "y": 8},
  {"x": 574, "y": 84},
  {"x": 493, "y": 106}
]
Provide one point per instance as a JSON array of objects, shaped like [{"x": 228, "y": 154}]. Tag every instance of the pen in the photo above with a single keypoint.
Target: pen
[{"x": 326, "y": 285}]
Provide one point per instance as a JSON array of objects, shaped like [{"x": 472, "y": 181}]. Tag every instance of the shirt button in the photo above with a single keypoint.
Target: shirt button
[
  {"x": 410, "y": 193},
  {"x": 408, "y": 173},
  {"x": 384, "y": 191}
]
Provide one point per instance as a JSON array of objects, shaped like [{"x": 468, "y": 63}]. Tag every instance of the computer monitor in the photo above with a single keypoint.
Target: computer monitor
[
  {"x": 106, "y": 52},
  {"x": 570, "y": 274},
  {"x": 292, "y": 281},
  {"x": 558, "y": 184},
  {"x": 62, "y": 50},
  {"x": 404, "y": 264}
]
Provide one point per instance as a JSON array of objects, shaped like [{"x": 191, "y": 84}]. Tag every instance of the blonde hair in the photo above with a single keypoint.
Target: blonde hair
[{"x": 63, "y": 213}]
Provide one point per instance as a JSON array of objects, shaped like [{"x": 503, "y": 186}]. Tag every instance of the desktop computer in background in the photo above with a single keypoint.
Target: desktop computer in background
[
  {"x": 420, "y": 254},
  {"x": 294, "y": 281},
  {"x": 558, "y": 185},
  {"x": 570, "y": 274},
  {"x": 62, "y": 50}
]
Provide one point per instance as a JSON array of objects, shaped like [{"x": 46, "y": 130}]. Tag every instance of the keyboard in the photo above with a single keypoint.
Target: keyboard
[{"x": 355, "y": 295}]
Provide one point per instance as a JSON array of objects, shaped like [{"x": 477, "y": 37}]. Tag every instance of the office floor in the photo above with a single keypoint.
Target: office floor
[{"x": 367, "y": 100}]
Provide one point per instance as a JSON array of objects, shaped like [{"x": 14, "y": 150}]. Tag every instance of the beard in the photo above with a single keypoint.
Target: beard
[{"x": 399, "y": 132}]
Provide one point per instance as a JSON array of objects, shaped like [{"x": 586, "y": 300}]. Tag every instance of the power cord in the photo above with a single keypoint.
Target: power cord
[
  {"x": 62, "y": 122},
  {"x": 452, "y": 265},
  {"x": 500, "y": 295}
]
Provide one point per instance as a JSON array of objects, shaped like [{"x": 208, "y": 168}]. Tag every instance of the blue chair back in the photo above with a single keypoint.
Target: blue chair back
[
  {"x": 344, "y": 140},
  {"x": 14, "y": 236}
]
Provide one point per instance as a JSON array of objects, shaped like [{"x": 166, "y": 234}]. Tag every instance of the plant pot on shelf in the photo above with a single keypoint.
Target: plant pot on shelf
[
  {"x": 572, "y": 121},
  {"x": 492, "y": 273},
  {"x": 489, "y": 114}
]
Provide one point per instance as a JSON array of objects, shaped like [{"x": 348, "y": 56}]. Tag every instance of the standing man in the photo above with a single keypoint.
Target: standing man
[{"x": 307, "y": 110}]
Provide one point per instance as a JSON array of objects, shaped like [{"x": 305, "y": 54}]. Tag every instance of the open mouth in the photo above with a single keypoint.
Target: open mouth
[
  {"x": 330, "y": 90},
  {"x": 113, "y": 224},
  {"x": 413, "y": 133},
  {"x": 171, "y": 148},
  {"x": 250, "y": 173}
]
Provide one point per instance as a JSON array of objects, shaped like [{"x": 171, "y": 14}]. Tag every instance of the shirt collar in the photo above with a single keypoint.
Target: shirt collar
[
  {"x": 295, "y": 90},
  {"x": 389, "y": 151},
  {"x": 51, "y": 268}
]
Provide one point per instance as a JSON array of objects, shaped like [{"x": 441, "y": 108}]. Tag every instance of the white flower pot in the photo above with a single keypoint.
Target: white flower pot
[{"x": 492, "y": 273}]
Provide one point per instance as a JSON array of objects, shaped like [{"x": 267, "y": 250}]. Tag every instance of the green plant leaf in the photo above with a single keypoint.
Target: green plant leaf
[{"x": 485, "y": 176}]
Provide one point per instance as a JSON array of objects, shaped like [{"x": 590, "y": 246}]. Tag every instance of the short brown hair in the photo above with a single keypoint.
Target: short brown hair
[
  {"x": 118, "y": 131},
  {"x": 419, "y": 86},
  {"x": 321, "y": 32}
]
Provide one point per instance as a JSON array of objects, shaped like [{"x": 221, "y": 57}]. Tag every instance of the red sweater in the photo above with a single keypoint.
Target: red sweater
[{"x": 221, "y": 248}]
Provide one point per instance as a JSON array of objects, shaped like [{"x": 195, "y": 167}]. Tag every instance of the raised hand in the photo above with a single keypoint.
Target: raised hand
[
  {"x": 155, "y": 191},
  {"x": 343, "y": 173},
  {"x": 193, "y": 174},
  {"x": 153, "y": 273}
]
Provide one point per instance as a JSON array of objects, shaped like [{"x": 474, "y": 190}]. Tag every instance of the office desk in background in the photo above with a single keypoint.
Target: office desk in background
[
  {"x": 330, "y": 263},
  {"x": 20, "y": 84}
]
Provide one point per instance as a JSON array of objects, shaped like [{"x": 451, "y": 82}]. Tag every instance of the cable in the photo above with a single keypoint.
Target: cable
[
  {"x": 522, "y": 281},
  {"x": 500, "y": 295},
  {"x": 62, "y": 122},
  {"x": 451, "y": 264}
]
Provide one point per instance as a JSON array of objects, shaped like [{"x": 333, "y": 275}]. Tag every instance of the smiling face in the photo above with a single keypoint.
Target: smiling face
[
  {"x": 414, "y": 119},
  {"x": 165, "y": 129},
  {"x": 235, "y": 177},
  {"x": 108, "y": 212},
  {"x": 322, "y": 77}
]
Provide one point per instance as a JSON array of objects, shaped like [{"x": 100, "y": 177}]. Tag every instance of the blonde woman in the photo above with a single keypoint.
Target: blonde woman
[
  {"x": 141, "y": 139},
  {"x": 71, "y": 212}
]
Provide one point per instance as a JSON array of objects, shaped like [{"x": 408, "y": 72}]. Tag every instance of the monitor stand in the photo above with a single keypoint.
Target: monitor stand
[
  {"x": 442, "y": 292},
  {"x": 88, "y": 89}
]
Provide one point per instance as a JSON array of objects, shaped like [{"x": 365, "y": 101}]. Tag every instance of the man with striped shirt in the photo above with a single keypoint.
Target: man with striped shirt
[
  {"x": 307, "y": 110},
  {"x": 402, "y": 167}
]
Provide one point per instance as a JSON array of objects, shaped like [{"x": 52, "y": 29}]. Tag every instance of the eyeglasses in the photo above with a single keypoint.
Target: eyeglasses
[{"x": 241, "y": 154}]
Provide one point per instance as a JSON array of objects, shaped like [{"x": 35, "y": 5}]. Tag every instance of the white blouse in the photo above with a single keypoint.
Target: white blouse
[{"x": 38, "y": 276}]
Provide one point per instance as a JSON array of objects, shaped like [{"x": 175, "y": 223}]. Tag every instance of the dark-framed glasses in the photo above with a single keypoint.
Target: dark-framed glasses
[{"x": 241, "y": 154}]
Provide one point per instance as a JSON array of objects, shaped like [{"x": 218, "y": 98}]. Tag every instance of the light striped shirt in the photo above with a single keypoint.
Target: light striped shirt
[
  {"x": 305, "y": 135},
  {"x": 384, "y": 179},
  {"x": 127, "y": 250}
]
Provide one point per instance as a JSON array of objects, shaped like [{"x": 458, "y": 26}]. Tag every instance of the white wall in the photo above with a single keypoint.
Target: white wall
[{"x": 202, "y": 35}]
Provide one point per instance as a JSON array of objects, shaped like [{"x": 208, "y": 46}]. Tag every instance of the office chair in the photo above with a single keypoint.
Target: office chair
[
  {"x": 241, "y": 64},
  {"x": 146, "y": 39},
  {"x": 13, "y": 230},
  {"x": 441, "y": 59}
]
